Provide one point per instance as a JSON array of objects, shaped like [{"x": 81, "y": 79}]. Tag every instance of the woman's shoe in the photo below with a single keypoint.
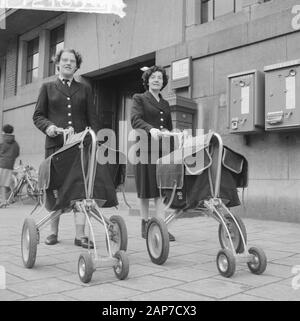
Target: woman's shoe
[
  {"x": 51, "y": 239},
  {"x": 84, "y": 242},
  {"x": 171, "y": 237}
]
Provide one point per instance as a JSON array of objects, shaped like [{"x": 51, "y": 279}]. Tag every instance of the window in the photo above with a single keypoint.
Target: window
[
  {"x": 32, "y": 60},
  {"x": 56, "y": 43},
  {"x": 211, "y": 9}
]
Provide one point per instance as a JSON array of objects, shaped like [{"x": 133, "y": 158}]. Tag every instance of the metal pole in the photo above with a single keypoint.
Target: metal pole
[{"x": 219, "y": 167}]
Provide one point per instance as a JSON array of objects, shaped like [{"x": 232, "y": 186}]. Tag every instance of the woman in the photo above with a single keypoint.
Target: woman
[
  {"x": 9, "y": 151},
  {"x": 151, "y": 113},
  {"x": 64, "y": 103}
]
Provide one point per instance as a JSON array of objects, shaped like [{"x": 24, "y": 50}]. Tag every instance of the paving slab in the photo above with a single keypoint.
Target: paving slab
[
  {"x": 102, "y": 292},
  {"x": 149, "y": 283},
  {"x": 189, "y": 273},
  {"x": 276, "y": 292},
  {"x": 214, "y": 288},
  {"x": 42, "y": 287},
  {"x": 171, "y": 295},
  {"x": 7, "y": 295}
]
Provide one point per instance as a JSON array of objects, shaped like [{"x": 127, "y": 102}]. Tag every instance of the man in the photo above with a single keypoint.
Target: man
[{"x": 61, "y": 104}]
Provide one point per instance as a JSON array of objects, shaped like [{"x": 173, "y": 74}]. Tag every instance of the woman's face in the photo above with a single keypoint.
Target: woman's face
[
  {"x": 67, "y": 64},
  {"x": 156, "y": 81}
]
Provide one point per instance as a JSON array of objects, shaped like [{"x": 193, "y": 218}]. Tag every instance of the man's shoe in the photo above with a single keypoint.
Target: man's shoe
[
  {"x": 171, "y": 237},
  {"x": 83, "y": 242},
  {"x": 51, "y": 239}
]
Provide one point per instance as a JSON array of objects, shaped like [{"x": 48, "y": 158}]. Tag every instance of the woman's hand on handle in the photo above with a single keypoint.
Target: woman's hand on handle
[
  {"x": 52, "y": 131},
  {"x": 155, "y": 133}
]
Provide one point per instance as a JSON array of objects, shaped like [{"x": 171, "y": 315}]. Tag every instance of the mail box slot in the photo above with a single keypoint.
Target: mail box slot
[
  {"x": 282, "y": 96},
  {"x": 245, "y": 102}
]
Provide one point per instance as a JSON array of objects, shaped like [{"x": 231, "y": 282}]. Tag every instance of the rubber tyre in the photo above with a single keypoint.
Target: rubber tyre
[
  {"x": 29, "y": 242},
  {"x": 236, "y": 238},
  {"x": 226, "y": 263},
  {"x": 85, "y": 267},
  {"x": 120, "y": 239},
  {"x": 121, "y": 268},
  {"x": 157, "y": 240},
  {"x": 260, "y": 264}
]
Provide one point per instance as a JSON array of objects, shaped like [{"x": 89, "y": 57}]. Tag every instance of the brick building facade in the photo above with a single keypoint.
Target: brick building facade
[{"x": 221, "y": 40}]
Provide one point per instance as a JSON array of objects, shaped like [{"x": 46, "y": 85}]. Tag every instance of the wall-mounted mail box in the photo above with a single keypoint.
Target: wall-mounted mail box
[
  {"x": 282, "y": 96},
  {"x": 183, "y": 112},
  {"x": 245, "y": 102}
]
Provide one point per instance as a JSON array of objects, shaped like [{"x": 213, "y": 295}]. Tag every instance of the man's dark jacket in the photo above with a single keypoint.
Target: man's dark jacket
[{"x": 64, "y": 106}]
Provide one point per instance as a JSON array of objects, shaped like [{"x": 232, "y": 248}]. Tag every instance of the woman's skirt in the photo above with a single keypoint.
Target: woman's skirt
[
  {"x": 145, "y": 180},
  {"x": 5, "y": 177}
]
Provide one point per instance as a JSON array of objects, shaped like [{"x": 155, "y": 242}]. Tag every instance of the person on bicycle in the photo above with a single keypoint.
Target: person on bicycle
[
  {"x": 64, "y": 103},
  {"x": 9, "y": 151}
]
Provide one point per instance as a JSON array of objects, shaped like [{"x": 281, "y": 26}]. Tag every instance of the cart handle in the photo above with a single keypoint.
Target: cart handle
[
  {"x": 182, "y": 136},
  {"x": 67, "y": 133}
]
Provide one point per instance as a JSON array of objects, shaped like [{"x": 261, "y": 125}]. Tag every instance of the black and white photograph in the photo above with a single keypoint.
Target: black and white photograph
[{"x": 149, "y": 153}]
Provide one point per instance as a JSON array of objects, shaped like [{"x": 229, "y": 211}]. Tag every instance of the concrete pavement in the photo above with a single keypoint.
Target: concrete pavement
[{"x": 189, "y": 274}]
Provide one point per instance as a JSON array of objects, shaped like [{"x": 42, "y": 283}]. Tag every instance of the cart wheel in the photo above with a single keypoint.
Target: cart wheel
[
  {"x": 226, "y": 263},
  {"x": 85, "y": 267},
  {"x": 121, "y": 268},
  {"x": 258, "y": 263},
  {"x": 234, "y": 233},
  {"x": 117, "y": 234},
  {"x": 29, "y": 242},
  {"x": 157, "y": 240}
]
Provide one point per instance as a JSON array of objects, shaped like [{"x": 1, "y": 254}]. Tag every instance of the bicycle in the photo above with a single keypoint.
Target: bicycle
[
  {"x": 27, "y": 178},
  {"x": 24, "y": 177}
]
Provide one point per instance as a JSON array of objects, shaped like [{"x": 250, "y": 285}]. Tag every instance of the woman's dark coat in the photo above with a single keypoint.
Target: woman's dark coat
[
  {"x": 63, "y": 107},
  {"x": 147, "y": 113}
]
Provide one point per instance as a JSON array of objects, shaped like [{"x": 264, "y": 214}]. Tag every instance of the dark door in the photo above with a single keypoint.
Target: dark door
[{"x": 113, "y": 96}]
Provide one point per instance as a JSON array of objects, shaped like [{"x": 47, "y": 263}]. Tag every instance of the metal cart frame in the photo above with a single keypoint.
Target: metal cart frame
[
  {"x": 232, "y": 231},
  {"x": 115, "y": 227}
]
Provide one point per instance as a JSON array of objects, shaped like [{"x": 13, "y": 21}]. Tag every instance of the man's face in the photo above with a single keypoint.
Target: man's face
[{"x": 67, "y": 65}]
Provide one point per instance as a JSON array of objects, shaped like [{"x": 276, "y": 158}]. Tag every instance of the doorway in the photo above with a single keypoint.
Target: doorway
[
  {"x": 113, "y": 95},
  {"x": 1, "y": 90}
]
